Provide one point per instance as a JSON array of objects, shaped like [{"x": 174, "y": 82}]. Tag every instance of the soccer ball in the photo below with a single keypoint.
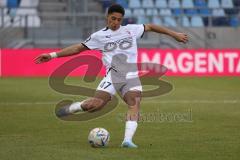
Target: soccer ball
[{"x": 98, "y": 137}]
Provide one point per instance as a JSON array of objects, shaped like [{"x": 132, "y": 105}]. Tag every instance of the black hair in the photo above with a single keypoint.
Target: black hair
[{"x": 116, "y": 8}]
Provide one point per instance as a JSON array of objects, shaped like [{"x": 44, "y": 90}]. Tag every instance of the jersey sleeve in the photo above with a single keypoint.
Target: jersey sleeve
[
  {"x": 137, "y": 29},
  {"x": 92, "y": 42}
]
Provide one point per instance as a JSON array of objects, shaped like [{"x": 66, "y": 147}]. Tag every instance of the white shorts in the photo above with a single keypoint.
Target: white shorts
[{"x": 112, "y": 86}]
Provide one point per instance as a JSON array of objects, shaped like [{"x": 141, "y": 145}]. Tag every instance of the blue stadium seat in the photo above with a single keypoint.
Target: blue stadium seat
[
  {"x": 147, "y": 4},
  {"x": 123, "y": 3},
  {"x": 165, "y": 12},
  {"x": 177, "y": 12},
  {"x": 106, "y": 4},
  {"x": 161, "y": 4},
  {"x": 191, "y": 12},
  {"x": 134, "y": 4},
  {"x": 205, "y": 12},
  {"x": 184, "y": 21},
  {"x": 33, "y": 20},
  {"x": 226, "y": 3},
  {"x": 142, "y": 20},
  {"x": 12, "y": 3},
  {"x": 213, "y": 4},
  {"x": 151, "y": 12},
  {"x": 187, "y": 4},
  {"x": 200, "y": 3},
  {"x": 174, "y": 4},
  {"x": 157, "y": 20},
  {"x": 128, "y": 12},
  {"x": 29, "y": 3},
  {"x": 197, "y": 21},
  {"x": 219, "y": 12},
  {"x": 139, "y": 12},
  {"x": 169, "y": 21}
]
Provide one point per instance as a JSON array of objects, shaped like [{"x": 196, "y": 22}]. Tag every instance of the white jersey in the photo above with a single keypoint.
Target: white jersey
[{"x": 118, "y": 47}]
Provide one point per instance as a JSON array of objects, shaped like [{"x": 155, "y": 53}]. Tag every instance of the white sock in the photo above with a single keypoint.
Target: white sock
[
  {"x": 130, "y": 129},
  {"x": 75, "y": 107}
]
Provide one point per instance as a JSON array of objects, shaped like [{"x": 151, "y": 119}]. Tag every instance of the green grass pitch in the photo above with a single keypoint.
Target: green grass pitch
[{"x": 198, "y": 120}]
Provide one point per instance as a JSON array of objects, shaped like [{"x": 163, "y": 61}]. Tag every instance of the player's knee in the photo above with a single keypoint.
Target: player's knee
[
  {"x": 93, "y": 104},
  {"x": 133, "y": 101}
]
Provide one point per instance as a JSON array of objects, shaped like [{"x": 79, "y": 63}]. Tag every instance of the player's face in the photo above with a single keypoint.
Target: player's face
[{"x": 114, "y": 20}]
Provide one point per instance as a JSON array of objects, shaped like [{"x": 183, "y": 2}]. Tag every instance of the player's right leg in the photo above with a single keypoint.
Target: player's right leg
[{"x": 132, "y": 99}]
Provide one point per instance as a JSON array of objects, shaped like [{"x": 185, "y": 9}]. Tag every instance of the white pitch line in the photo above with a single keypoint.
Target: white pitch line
[
  {"x": 27, "y": 103},
  {"x": 0, "y": 62},
  {"x": 196, "y": 101},
  {"x": 144, "y": 101}
]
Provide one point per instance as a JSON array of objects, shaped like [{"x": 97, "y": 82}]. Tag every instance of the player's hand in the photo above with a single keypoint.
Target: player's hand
[
  {"x": 181, "y": 37},
  {"x": 42, "y": 58}
]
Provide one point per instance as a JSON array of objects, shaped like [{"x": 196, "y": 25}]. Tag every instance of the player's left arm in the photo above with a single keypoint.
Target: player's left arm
[{"x": 178, "y": 36}]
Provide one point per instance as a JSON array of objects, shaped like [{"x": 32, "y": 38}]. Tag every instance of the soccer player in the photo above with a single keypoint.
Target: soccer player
[{"x": 118, "y": 45}]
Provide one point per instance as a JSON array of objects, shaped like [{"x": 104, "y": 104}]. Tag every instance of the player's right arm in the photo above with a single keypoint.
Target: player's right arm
[{"x": 68, "y": 51}]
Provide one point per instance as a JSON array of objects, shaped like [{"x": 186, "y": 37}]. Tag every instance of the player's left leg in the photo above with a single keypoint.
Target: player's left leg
[
  {"x": 102, "y": 96},
  {"x": 92, "y": 104},
  {"x": 132, "y": 99}
]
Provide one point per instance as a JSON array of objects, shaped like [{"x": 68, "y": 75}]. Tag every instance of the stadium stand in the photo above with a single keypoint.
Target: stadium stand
[
  {"x": 200, "y": 3},
  {"x": 184, "y": 21},
  {"x": 226, "y": 4},
  {"x": 128, "y": 12},
  {"x": 161, "y": 4},
  {"x": 51, "y": 20},
  {"x": 184, "y": 7},
  {"x": 165, "y": 12},
  {"x": 20, "y": 15},
  {"x": 218, "y": 12},
  {"x": 196, "y": 21},
  {"x": 151, "y": 12},
  {"x": 134, "y": 4},
  {"x": 147, "y": 4},
  {"x": 208, "y": 12},
  {"x": 213, "y": 4},
  {"x": 123, "y": 3},
  {"x": 157, "y": 20},
  {"x": 169, "y": 21},
  {"x": 187, "y": 4},
  {"x": 174, "y": 4},
  {"x": 37, "y": 12}
]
